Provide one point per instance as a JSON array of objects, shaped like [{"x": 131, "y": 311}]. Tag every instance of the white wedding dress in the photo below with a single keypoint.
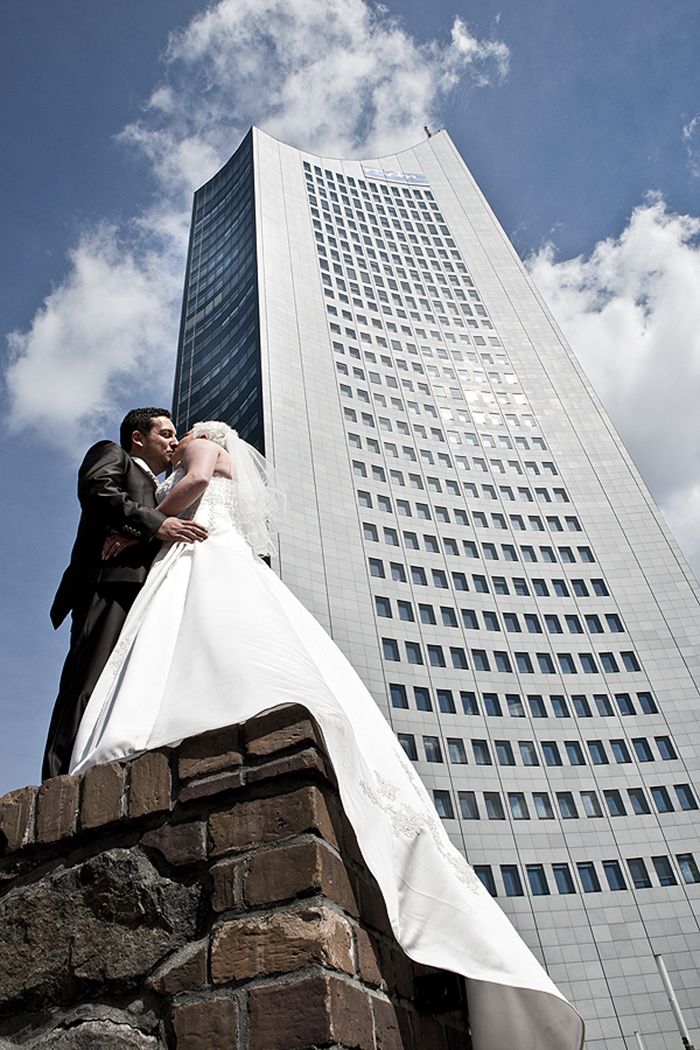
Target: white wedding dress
[{"x": 214, "y": 638}]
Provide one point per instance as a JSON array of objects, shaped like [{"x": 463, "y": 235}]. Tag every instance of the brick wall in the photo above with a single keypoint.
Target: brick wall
[{"x": 204, "y": 897}]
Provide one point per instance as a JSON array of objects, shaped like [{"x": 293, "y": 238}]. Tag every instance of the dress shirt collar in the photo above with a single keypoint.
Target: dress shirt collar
[{"x": 145, "y": 468}]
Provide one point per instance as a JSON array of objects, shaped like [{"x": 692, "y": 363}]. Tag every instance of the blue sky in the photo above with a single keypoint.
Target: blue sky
[{"x": 581, "y": 123}]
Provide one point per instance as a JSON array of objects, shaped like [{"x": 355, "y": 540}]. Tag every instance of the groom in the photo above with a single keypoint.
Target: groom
[{"x": 116, "y": 490}]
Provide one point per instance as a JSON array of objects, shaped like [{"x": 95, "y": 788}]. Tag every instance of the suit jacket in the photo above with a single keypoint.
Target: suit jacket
[{"x": 115, "y": 495}]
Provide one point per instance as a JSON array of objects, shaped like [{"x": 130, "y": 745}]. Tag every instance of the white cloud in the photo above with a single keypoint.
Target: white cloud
[
  {"x": 631, "y": 312},
  {"x": 336, "y": 77}
]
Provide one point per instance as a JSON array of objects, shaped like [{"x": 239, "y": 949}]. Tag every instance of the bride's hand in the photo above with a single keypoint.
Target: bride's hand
[{"x": 116, "y": 544}]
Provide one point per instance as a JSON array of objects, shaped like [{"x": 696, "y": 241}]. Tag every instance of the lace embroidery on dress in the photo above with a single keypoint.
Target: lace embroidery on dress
[
  {"x": 408, "y": 822},
  {"x": 220, "y": 495}
]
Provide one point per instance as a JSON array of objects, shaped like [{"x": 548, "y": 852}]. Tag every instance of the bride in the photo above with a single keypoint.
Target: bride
[{"x": 214, "y": 638}]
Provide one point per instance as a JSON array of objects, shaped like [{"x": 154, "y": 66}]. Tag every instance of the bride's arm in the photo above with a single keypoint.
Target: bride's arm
[{"x": 198, "y": 462}]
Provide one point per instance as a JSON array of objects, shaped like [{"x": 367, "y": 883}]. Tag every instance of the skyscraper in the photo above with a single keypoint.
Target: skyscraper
[{"x": 467, "y": 524}]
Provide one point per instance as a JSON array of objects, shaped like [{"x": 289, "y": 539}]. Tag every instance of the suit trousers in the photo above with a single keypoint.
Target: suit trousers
[{"x": 96, "y": 624}]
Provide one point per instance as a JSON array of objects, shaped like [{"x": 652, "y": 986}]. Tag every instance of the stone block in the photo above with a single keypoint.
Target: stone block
[
  {"x": 103, "y": 1033},
  {"x": 210, "y": 1024},
  {"x": 315, "y": 1012},
  {"x": 57, "y": 809},
  {"x": 280, "y": 729},
  {"x": 179, "y": 843},
  {"x": 367, "y": 954},
  {"x": 280, "y": 943},
  {"x": 224, "y": 878},
  {"x": 16, "y": 810},
  {"x": 298, "y": 869},
  {"x": 103, "y": 788},
  {"x": 288, "y": 765},
  {"x": 393, "y": 1027},
  {"x": 210, "y": 752},
  {"x": 151, "y": 784},
  {"x": 208, "y": 788},
  {"x": 184, "y": 972},
  {"x": 372, "y": 907},
  {"x": 265, "y": 820}
]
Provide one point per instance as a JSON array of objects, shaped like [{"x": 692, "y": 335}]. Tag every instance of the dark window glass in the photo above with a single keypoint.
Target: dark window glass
[
  {"x": 481, "y": 660},
  {"x": 504, "y": 753},
  {"x": 455, "y": 747},
  {"x": 446, "y": 701},
  {"x": 518, "y": 805},
  {"x": 638, "y": 873},
  {"x": 469, "y": 704},
  {"x": 483, "y": 872},
  {"x": 398, "y": 696},
  {"x": 468, "y": 805},
  {"x": 689, "y": 869},
  {"x": 413, "y": 653},
  {"x": 620, "y": 751},
  {"x": 624, "y": 702},
  {"x": 559, "y": 706},
  {"x": 603, "y": 704},
  {"x": 581, "y": 706},
  {"x": 443, "y": 804},
  {"x": 511, "y": 880},
  {"x": 383, "y": 607},
  {"x": 567, "y": 806},
  {"x": 642, "y": 748},
  {"x": 588, "y": 877},
  {"x": 574, "y": 752},
  {"x": 563, "y": 879},
  {"x": 391, "y": 649},
  {"x": 666, "y": 749},
  {"x": 664, "y": 871},
  {"x": 422, "y": 698},
  {"x": 538, "y": 880},
  {"x": 502, "y": 662},
  {"x": 408, "y": 743},
  {"x": 598, "y": 754},
  {"x": 494, "y": 806},
  {"x": 492, "y": 704},
  {"x": 662, "y": 799},
  {"x": 551, "y": 753},
  {"x": 433, "y": 752},
  {"x": 685, "y": 796},
  {"x": 537, "y": 706},
  {"x": 482, "y": 755},
  {"x": 613, "y": 873},
  {"x": 647, "y": 703},
  {"x": 638, "y": 800},
  {"x": 616, "y": 806}
]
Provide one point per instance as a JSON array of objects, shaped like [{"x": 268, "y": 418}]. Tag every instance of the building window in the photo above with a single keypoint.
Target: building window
[
  {"x": 391, "y": 649},
  {"x": 494, "y": 806},
  {"x": 480, "y": 584},
  {"x": 376, "y": 568},
  {"x": 619, "y": 750},
  {"x": 398, "y": 572},
  {"x": 574, "y": 752},
  {"x": 560, "y": 589},
  {"x": 418, "y": 576},
  {"x": 511, "y": 622},
  {"x": 532, "y": 623},
  {"x": 469, "y": 703},
  {"x": 630, "y": 661},
  {"x": 413, "y": 653},
  {"x": 662, "y": 799},
  {"x": 559, "y": 706},
  {"x": 439, "y": 578},
  {"x": 398, "y": 695},
  {"x": 422, "y": 698},
  {"x": 685, "y": 796},
  {"x": 581, "y": 706},
  {"x": 588, "y": 877},
  {"x": 566, "y": 662},
  {"x": 491, "y": 621},
  {"x": 600, "y": 589},
  {"x": 598, "y": 754},
  {"x": 408, "y": 743},
  {"x": 547, "y": 664},
  {"x": 518, "y": 805},
  {"x": 433, "y": 752},
  {"x": 502, "y": 662},
  {"x": 616, "y": 806},
  {"x": 537, "y": 706},
  {"x": 504, "y": 753},
  {"x": 511, "y": 880},
  {"x": 643, "y": 749},
  {"x": 538, "y": 880},
  {"x": 563, "y": 879},
  {"x": 446, "y": 701},
  {"x": 664, "y": 871},
  {"x": 481, "y": 661},
  {"x": 647, "y": 703},
  {"x": 482, "y": 755},
  {"x": 520, "y": 587},
  {"x": 524, "y": 663},
  {"x": 614, "y": 623},
  {"x": 603, "y": 704},
  {"x": 588, "y": 663},
  {"x": 638, "y": 873},
  {"x": 609, "y": 663},
  {"x": 567, "y": 806},
  {"x": 484, "y": 873},
  {"x": 455, "y": 747},
  {"x": 591, "y": 805},
  {"x": 468, "y": 805},
  {"x": 666, "y": 749},
  {"x": 580, "y": 589},
  {"x": 639, "y": 802},
  {"x": 515, "y": 705},
  {"x": 459, "y": 658},
  {"x": 436, "y": 656},
  {"x": 405, "y": 611},
  {"x": 543, "y": 807},
  {"x": 383, "y": 606},
  {"x": 370, "y": 532},
  {"x": 460, "y": 581},
  {"x": 443, "y": 804},
  {"x": 528, "y": 754},
  {"x": 492, "y": 704},
  {"x": 624, "y": 702},
  {"x": 613, "y": 873},
  {"x": 689, "y": 869}
]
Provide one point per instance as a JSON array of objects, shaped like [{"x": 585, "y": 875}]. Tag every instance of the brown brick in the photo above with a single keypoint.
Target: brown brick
[
  {"x": 210, "y": 752},
  {"x": 179, "y": 843},
  {"x": 393, "y": 1027},
  {"x": 280, "y": 729},
  {"x": 280, "y": 943},
  {"x": 57, "y": 808},
  {"x": 103, "y": 787},
  {"x": 372, "y": 907},
  {"x": 298, "y": 869},
  {"x": 271, "y": 819},
  {"x": 306, "y": 762},
  {"x": 457, "y": 1039},
  {"x": 368, "y": 956},
  {"x": 428, "y": 1033},
  {"x": 186, "y": 972},
  {"x": 150, "y": 784},
  {"x": 350, "y": 847},
  {"x": 224, "y": 892},
  {"x": 15, "y": 818},
  {"x": 317, "y": 1011},
  {"x": 206, "y": 1025},
  {"x": 401, "y": 970},
  {"x": 208, "y": 788}
]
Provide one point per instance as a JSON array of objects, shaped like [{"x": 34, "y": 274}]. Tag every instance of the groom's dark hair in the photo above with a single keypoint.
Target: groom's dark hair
[{"x": 138, "y": 419}]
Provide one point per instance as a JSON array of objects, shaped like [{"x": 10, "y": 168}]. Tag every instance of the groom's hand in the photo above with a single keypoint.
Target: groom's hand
[{"x": 175, "y": 530}]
